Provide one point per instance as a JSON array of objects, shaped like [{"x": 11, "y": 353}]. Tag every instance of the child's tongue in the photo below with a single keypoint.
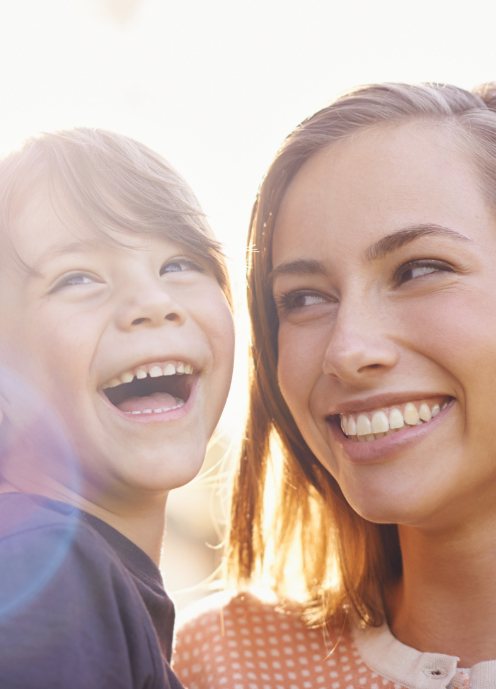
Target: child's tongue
[{"x": 157, "y": 400}]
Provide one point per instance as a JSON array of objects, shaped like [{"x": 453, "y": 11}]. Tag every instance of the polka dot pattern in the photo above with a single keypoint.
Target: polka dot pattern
[{"x": 248, "y": 644}]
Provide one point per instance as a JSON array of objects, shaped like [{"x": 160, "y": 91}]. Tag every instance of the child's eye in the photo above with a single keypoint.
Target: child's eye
[
  {"x": 300, "y": 299},
  {"x": 180, "y": 265},
  {"x": 74, "y": 280},
  {"x": 419, "y": 268}
]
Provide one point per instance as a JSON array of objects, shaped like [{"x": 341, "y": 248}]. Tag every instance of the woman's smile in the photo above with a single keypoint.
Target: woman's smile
[
  {"x": 374, "y": 436},
  {"x": 376, "y": 423}
]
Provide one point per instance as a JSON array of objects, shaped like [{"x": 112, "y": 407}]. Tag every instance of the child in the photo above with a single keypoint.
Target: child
[
  {"x": 372, "y": 291},
  {"x": 116, "y": 351}
]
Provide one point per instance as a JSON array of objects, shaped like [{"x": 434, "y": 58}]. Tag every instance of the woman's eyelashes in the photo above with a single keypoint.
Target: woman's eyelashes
[
  {"x": 298, "y": 300},
  {"x": 419, "y": 268},
  {"x": 294, "y": 300}
]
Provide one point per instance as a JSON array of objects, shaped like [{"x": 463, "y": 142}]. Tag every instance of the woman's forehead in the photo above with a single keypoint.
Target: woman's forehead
[{"x": 373, "y": 184}]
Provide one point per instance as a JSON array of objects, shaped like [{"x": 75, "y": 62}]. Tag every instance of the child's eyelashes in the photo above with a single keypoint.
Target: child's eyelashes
[
  {"x": 419, "y": 268},
  {"x": 80, "y": 278},
  {"x": 181, "y": 265},
  {"x": 76, "y": 279}
]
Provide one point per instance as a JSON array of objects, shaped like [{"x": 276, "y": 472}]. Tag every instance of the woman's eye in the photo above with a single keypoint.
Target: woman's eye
[
  {"x": 418, "y": 269},
  {"x": 180, "y": 265},
  {"x": 292, "y": 301}
]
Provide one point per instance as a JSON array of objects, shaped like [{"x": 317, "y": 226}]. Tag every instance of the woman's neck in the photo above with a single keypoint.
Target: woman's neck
[{"x": 446, "y": 600}]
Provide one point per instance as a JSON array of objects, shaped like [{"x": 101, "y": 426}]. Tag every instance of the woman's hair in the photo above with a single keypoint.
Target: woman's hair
[
  {"x": 110, "y": 183},
  {"x": 344, "y": 561}
]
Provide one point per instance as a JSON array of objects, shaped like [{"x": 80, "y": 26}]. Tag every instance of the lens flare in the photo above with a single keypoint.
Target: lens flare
[{"x": 34, "y": 454}]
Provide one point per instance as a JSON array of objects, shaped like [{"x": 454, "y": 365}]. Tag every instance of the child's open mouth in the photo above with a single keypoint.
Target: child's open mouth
[{"x": 152, "y": 388}]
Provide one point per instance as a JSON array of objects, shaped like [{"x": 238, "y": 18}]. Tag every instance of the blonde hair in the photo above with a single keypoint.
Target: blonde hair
[
  {"x": 111, "y": 184},
  {"x": 345, "y": 561}
]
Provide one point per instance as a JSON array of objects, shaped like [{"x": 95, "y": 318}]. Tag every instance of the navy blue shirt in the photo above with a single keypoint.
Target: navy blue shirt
[{"x": 81, "y": 606}]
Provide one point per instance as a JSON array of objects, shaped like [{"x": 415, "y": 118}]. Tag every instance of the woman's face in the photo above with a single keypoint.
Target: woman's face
[{"x": 384, "y": 275}]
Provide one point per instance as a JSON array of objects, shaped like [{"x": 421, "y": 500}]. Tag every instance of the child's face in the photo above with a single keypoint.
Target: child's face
[{"x": 95, "y": 316}]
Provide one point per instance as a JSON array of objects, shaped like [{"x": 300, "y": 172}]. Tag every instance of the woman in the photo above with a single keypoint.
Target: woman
[{"x": 371, "y": 289}]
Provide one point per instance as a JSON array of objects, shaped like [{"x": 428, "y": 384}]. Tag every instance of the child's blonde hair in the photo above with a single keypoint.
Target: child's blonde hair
[{"x": 109, "y": 183}]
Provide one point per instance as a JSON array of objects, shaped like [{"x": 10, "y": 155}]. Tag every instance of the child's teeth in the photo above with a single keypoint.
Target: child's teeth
[
  {"x": 396, "y": 419},
  {"x": 352, "y": 429},
  {"x": 363, "y": 426},
  {"x": 168, "y": 370},
  {"x": 154, "y": 371},
  {"x": 435, "y": 410},
  {"x": 380, "y": 422},
  {"x": 411, "y": 414}
]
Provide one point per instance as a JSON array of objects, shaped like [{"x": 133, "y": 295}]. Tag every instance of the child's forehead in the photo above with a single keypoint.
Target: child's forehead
[
  {"x": 36, "y": 249},
  {"x": 41, "y": 231},
  {"x": 38, "y": 229}
]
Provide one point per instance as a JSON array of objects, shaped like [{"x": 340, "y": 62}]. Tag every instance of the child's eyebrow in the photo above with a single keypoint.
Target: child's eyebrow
[{"x": 62, "y": 249}]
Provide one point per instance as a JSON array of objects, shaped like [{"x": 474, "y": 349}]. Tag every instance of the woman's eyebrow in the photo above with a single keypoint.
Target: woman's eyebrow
[
  {"x": 395, "y": 240},
  {"x": 301, "y": 266},
  {"x": 384, "y": 246}
]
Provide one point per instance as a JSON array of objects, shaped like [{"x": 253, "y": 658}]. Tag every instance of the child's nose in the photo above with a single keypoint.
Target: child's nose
[{"x": 150, "y": 308}]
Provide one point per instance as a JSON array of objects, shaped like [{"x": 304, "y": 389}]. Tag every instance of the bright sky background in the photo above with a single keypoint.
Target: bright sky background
[{"x": 215, "y": 85}]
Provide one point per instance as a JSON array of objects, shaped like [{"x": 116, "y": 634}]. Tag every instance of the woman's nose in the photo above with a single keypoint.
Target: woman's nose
[{"x": 360, "y": 347}]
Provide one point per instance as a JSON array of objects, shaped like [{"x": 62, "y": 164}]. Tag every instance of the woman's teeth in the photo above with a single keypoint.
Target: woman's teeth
[{"x": 372, "y": 425}]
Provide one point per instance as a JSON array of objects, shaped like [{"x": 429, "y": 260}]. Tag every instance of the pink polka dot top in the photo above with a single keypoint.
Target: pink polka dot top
[{"x": 244, "y": 643}]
